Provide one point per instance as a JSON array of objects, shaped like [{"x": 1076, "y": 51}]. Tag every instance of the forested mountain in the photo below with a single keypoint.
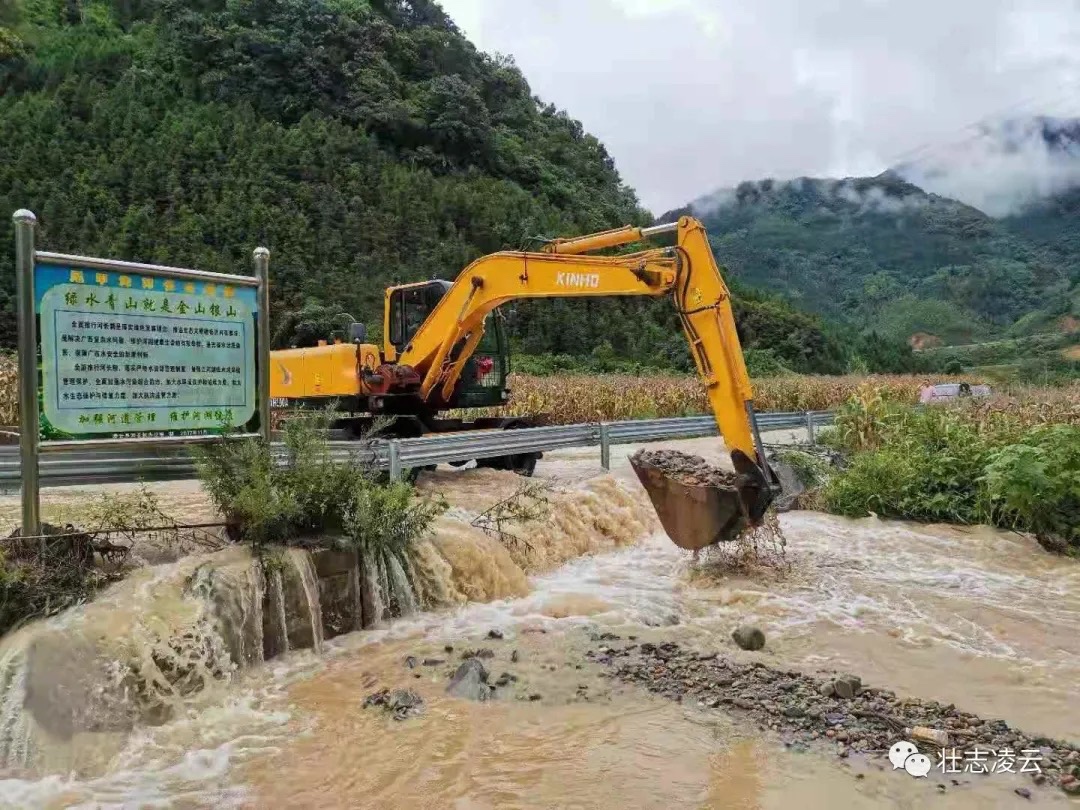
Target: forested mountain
[
  {"x": 1053, "y": 226},
  {"x": 881, "y": 253},
  {"x": 363, "y": 141},
  {"x": 360, "y": 141}
]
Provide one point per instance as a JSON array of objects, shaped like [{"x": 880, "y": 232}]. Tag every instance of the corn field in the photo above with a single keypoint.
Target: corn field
[
  {"x": 585, "y": 398},
  {"x": 9, "y": 390},
  {"x": 574, "y": 398},
  {"x": 570, "y": 398}
]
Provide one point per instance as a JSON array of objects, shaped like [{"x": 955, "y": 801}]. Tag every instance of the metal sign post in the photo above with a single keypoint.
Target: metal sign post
[
  {"x": 134, "y": 353},
  {"x": 262, "y": 273},
  {"x": 25, "y": 223}
]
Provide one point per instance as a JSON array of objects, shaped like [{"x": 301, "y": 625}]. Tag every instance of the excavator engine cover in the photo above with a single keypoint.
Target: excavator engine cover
[{"x": 698, "y": 516}]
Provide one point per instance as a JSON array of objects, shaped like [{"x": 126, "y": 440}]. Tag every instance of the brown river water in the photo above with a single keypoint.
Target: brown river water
[{"x": 980, "y": 618}]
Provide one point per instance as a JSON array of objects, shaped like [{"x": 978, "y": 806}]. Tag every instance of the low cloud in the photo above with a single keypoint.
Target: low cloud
[
  {"x": 1005, "y": 168},
  {"x": 695, "y": 95},
  {"x": 865, "y": 198}
]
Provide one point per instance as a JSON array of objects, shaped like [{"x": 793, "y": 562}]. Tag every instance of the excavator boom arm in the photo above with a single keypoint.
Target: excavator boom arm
[
  {"x": 442, "y": 345},
  {"x": 565, "y": 269}
]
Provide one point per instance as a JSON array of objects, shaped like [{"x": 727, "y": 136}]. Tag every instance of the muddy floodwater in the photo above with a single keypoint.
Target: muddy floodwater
[{"x": 979, "y": 618}]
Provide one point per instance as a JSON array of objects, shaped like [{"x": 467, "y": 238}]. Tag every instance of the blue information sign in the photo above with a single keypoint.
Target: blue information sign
[{"x": 132, "y": 353}]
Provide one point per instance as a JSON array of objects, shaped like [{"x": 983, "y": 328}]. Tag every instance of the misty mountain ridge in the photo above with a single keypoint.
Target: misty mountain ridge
[
  {"x": 1003, "y": 168},
  {"x": 886, "y": 255}
]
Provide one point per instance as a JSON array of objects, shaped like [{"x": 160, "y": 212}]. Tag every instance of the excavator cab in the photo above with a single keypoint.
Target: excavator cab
[
  {"x": 407, "y": 307},
  {"x": 483, "y": 382}
]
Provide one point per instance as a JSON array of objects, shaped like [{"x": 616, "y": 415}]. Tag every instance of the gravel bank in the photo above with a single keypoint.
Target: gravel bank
[{"x": 835, "y": 712}]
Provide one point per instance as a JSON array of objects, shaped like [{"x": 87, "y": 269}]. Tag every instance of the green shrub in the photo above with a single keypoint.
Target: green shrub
[
  {"x": 242, "y": 482},
  {"x": 954, "y": 464},
  {"x": 811, "y": 470},
  {"x": 1035, "y": 484},
  {"x": 129, "y": 512},
  {"x": 912, "y": 482},
  {"x": 382, "y": 523},
  {"x": 385, "y": 519},
  {"x": 312, "y": 496},
  {"x": 764, "y": 363}
]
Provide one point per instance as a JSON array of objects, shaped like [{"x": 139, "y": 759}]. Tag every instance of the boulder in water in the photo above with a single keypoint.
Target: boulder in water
[
  {"x": 404, "y": 703},
  {"x": 401, "y": 703},
  {"x": 791, "y": 485},
  {"x": 70, "y": 691},
  {"x": 1054, "y": 543},
  {"x": 749, "y": 637},
  {"x": 470, "y": 681},
  {"x": 848, "y": 686}
]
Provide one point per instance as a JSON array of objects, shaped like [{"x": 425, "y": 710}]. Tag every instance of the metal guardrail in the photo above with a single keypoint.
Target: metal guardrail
[{"x": 119, "y": 465}]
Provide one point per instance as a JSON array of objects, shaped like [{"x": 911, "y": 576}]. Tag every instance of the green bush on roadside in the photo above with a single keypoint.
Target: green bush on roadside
[
  {"x": 313, "y": 497},
  {"x": 811, "y": 470},
  {"x": 959, "y": 464},
  {"x": 1035, "y": 483}
]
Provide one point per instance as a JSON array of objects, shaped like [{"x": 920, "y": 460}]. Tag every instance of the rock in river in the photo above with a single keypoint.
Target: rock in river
[
  {"x": 470, "y": 681},
  {"x": 401, "y": 703},
  {"x": 749, "y": 637},
  {"x": 847, "y": 686}
]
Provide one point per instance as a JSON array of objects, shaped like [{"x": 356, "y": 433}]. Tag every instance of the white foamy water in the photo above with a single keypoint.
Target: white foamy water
[{"x": 185, "y": 764}]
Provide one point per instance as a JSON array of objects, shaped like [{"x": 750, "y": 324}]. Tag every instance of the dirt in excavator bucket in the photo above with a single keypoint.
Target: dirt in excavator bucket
[{"x": 698, "y": 504}]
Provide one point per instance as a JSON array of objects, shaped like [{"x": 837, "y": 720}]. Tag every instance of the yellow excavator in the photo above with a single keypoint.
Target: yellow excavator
[{"x": 444, "y": 348}]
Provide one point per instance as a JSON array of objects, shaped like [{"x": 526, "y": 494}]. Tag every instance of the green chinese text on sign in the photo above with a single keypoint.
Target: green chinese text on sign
[{"x": 132, "y": 353}]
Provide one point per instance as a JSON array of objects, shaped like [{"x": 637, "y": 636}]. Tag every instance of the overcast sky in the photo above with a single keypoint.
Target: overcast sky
[{"x": 693, "y": 95}]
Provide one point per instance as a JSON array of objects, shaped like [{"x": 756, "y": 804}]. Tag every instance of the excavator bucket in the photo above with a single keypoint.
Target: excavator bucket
[{"x": 700, "y": 513}]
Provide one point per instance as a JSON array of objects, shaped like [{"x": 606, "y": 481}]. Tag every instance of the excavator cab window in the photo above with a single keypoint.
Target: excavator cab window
[
  {"x": 410, "y": 307},
  {"x": 483, "y": 380}
]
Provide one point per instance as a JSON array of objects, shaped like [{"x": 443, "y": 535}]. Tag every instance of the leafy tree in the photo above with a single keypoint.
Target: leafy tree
[{"x": 314, "y": 321}]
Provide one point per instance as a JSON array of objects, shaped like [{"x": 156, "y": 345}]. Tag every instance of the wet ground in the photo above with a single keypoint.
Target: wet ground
[{"x": 982, "y": 619}]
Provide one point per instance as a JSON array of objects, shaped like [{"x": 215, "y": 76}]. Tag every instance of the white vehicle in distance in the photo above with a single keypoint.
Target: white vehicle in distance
[{"x": 947, "y": 391}]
